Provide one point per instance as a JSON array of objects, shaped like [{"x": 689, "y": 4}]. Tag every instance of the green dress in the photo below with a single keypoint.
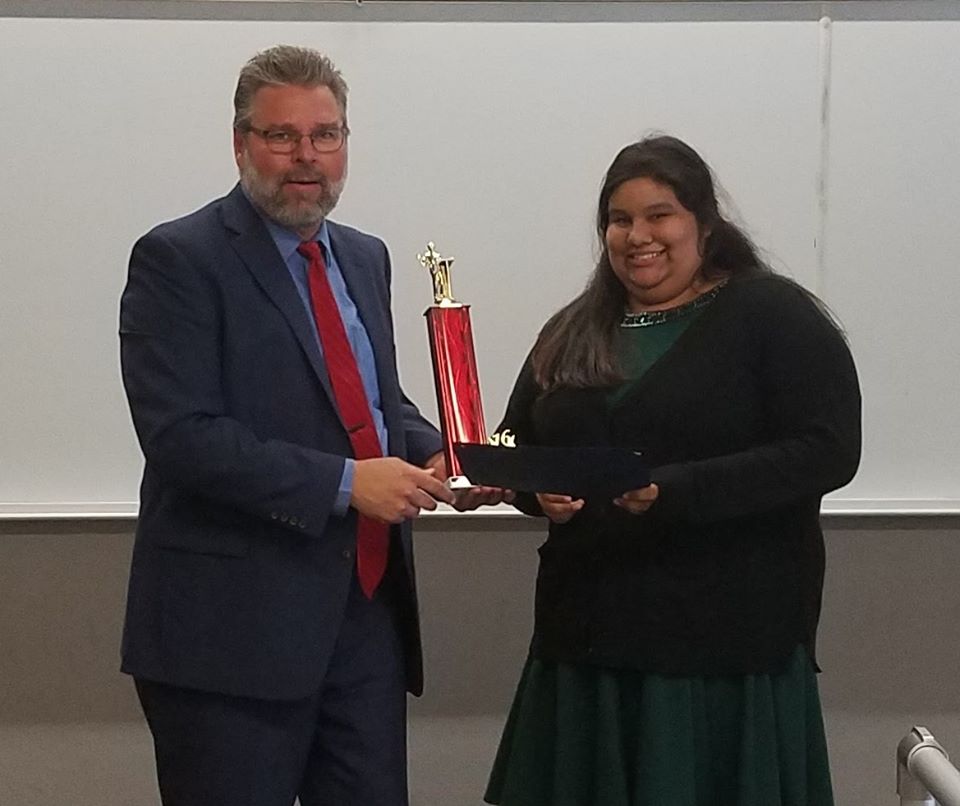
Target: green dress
[{"x": 581, "y": 735}]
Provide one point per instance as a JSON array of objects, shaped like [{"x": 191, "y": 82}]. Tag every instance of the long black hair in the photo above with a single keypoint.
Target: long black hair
[{"x": 576, "y": 345}]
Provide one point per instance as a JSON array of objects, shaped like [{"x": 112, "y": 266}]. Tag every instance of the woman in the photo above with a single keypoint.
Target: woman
[{"x": 673, "y": 653}]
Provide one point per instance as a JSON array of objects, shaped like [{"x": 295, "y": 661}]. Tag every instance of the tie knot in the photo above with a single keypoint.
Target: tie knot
[{"x": 311, "y": 251}]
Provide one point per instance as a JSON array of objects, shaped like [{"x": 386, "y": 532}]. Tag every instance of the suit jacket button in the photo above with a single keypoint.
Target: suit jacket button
[
  {"x": 283, "y": 517},
  {"x": 273, "y": 515},
  {"x": 347, "y": 554},
  {"x": 303, "y": 524},
  {"x": 293, "y": 521}
]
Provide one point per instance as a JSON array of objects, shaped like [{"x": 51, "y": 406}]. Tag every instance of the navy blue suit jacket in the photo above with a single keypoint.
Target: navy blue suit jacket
[{"x": 240, "y": 569}]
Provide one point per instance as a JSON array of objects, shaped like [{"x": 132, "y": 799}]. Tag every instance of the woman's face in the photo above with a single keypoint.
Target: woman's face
[{"x": 654, "y": 245}]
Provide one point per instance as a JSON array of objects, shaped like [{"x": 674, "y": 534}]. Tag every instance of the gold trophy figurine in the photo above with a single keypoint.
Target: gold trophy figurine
[{"x": 439, "y": 268}]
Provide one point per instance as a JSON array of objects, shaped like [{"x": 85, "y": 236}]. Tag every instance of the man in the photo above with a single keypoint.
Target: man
[{"x": 271, "y": 621}]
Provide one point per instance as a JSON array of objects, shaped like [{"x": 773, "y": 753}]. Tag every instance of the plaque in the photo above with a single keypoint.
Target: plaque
[{"x": 578, "y": 472}]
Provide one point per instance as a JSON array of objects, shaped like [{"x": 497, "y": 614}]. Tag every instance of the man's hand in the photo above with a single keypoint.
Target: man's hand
[
  {"x": 438, "y": 464},
  {"x": 559, "y": 508},
  {"x": 637, "y": 501},
  {"x": 392, "y": 490},
  {"x": 473, "y": 497}
]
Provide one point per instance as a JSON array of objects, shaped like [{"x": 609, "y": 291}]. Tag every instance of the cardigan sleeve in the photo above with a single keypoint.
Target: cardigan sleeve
[
  {"x": 812, "y": 395},
  {"x": 516, "y": 427}
]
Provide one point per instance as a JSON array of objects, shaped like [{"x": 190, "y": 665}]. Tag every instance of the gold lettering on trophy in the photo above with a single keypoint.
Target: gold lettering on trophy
[
  {"x": 439, "y": 268},
  {"x": 503, "y": 439}
]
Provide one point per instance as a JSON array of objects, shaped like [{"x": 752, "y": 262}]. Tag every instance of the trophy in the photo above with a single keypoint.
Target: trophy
[{"x": 454, "y": 367}]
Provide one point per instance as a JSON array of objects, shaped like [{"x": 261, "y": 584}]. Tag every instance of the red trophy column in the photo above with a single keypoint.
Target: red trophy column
[{"x": 454, "y": 367}]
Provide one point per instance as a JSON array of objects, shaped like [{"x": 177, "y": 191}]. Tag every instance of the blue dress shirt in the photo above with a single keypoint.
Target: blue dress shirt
[{"x": 287, "y": 243}]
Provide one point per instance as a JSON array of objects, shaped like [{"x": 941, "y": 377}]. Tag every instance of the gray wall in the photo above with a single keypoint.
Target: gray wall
[{"x": 70, "y": 731}]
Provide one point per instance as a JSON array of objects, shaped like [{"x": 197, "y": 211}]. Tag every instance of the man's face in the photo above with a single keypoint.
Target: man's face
[{"x": 297, "y": 190}]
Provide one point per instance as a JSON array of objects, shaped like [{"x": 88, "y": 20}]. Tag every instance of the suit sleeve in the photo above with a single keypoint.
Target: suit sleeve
[
  {"x": 423, "y": 439},
  {"x": 170, "y": 326},
  {"x": 813, "y": 400}
]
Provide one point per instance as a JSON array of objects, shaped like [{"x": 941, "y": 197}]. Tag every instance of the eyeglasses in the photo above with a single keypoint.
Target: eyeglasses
[{"x": 286, "y": 141}]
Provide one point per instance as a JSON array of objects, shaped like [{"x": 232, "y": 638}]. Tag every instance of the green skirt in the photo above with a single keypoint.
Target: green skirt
[{"x": 589, "y": 736}]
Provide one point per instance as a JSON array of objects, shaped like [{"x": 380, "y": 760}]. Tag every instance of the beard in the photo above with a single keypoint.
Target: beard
[{"x": 295, "y": 214}]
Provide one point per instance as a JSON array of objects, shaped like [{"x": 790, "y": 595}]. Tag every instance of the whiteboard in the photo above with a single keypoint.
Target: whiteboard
[
  {"x": 892, "y": 251},
  {"x": 491, "y": 139}
]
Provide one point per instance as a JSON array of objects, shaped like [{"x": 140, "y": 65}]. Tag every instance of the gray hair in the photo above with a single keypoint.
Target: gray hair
[{"x": 285, "y": 65}]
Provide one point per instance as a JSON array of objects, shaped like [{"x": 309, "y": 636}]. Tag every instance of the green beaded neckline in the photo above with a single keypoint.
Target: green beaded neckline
[{"x": 648, "y": 318}]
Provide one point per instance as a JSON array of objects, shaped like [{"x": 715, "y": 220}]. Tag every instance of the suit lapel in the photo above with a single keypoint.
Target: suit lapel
[{"x": 255, "y": 247}]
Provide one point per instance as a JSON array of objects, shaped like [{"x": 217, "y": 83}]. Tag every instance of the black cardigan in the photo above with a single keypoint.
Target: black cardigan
[{"x": 749, "y": 418}]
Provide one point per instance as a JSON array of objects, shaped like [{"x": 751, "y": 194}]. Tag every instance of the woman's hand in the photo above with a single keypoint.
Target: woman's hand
[
  {"x": 559, "y": 508},
  {"x": 637, "y": 501}
]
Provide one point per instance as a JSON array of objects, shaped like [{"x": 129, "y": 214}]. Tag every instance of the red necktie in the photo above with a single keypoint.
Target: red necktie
[{"x": 373, "y": 537}]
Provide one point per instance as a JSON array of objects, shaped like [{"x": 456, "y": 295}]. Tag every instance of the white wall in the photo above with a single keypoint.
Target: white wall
[{"x": 489, "y": 137}]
